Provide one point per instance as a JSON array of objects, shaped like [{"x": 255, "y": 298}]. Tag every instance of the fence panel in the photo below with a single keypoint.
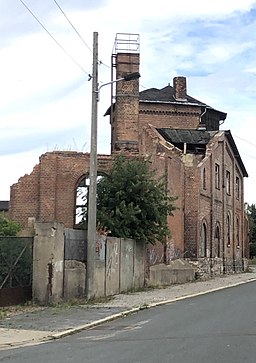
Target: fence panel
[{"x": 16, "y": 264}]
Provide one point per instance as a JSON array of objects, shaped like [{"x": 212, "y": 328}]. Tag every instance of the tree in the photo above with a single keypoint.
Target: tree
[
  {"x": 132, "y": 202},
  {"x": 8, "y": 227},
  {"x": 251, "y": 213}
]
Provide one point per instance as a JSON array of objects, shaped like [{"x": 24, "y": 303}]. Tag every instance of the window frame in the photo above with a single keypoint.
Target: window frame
[
  {"x": 237, "y": 232},
  {"x": 217, "y": 176},
  {"x": 237, "y": 187},
  {"x": 228, "y": 182},
  {"x": 204, "y": 179},
  {"x": 228, "y": 230}
]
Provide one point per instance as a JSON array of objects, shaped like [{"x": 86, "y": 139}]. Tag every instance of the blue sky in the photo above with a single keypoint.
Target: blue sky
[{"x": 45, "y": 96}]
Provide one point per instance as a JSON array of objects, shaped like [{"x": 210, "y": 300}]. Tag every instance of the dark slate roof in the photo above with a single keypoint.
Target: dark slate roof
[
  {"x": 181, "y": 136},
  {"x": 4, "y": 205},
  {"x": 165, "y": 94},
  {"x": 236, "y": 152}
]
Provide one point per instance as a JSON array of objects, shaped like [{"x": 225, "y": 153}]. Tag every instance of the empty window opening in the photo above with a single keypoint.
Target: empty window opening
[
  {"x": 204, "y": 239},
  {"x": 204, "y": 179},
  {"x": 82, "y": 200},
  {"x": 228, "y": 182},
  {"x": 217, "y": 176},
  {"x": 217, "y": 239},
  {"x": 228, "y": 229},
  {"x": 237, "y": 187},
  {"x": 237, "y": 232}
]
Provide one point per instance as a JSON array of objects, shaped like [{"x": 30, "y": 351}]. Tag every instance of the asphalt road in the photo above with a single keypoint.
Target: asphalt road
[{"x": 216, "y": 327}]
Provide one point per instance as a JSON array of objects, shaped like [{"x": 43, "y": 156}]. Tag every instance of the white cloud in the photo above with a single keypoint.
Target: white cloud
[{"x": 45, "y": 94}]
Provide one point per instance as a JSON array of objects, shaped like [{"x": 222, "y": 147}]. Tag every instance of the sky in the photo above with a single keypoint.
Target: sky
[{"x": 45, "y": 91}]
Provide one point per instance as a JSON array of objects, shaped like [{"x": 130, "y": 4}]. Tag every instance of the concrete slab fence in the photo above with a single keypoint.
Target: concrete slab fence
[{"x": 59, "y": 264}]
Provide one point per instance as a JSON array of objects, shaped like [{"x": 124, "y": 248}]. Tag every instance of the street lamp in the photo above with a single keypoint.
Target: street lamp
[{"x": 91, "y": 236}]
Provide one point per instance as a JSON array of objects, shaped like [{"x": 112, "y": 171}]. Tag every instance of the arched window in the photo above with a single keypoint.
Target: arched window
[
  {"x": 217, "y": 238},
  {"x": 237, "y": 232},
  {"x": 228, "y": 229},
  {"x": 204, "y": 178},
  {"x": 82, "y": 199},
  {"x": 82, "y": 193},
  {"x": 204, "y": 239}
]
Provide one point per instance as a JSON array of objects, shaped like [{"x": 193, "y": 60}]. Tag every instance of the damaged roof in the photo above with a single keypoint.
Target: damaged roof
[
  {"x": 181, "y": 136},
  {"x": 199, "y": 138}
]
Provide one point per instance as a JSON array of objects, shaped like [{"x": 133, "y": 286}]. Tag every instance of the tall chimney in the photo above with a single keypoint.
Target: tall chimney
[{"x": 180, "y": 88}]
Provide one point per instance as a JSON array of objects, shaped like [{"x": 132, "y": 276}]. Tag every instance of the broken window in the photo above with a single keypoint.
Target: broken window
[
  {"x": 82, "y": 193},
  {"x": 82, "y": 200}
]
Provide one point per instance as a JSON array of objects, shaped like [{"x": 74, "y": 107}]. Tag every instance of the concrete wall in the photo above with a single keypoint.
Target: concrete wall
[
  {"x": 122, "y": 269},
  {"x": 48, "y": 262},
  {"x": 112, "y": 271},
  {"x": 74, "y": 279},
  {"x": 177, "y": 272},
  {"x": 119, "y": 264}
]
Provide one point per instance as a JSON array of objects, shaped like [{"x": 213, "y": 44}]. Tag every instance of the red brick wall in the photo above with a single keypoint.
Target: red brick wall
[
  {"x": 191, "y": 210},
  {"x": 24, "y": 197},
  {"x": 166, "y": 115},
  {"x": 215, "y": 204},
  {"x": 125, "y": 131},
  {"x": 48, "y": 193},
  {"x": 167, "y": 162}
]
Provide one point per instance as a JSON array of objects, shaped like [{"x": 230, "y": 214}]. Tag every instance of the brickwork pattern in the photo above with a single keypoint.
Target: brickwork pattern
[{"x": 49, "y": 192}]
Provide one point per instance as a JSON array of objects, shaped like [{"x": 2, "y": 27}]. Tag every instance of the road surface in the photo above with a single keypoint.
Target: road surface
[{"x": 216, "y": 327}]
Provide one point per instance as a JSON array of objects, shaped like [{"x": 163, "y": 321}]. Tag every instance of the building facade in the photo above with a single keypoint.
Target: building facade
[{"x": 182, "y": 136}]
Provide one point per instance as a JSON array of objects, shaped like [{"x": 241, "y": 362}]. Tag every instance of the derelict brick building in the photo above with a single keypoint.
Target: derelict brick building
[{"x": 182, "y": 136}]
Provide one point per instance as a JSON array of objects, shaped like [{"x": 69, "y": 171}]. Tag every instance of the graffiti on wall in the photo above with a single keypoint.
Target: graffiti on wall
[
  {"x": 113, "y": 259},
  {"x": 101, "y": 247}
]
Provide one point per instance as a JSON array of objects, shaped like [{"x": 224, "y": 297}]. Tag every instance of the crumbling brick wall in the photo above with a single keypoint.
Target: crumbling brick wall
[{"x": 49, "y": 192}]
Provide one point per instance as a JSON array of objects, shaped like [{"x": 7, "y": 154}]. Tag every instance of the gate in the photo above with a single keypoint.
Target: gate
[{"x": 16, "y": 263}]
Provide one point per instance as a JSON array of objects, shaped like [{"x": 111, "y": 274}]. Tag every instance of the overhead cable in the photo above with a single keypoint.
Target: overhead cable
[
  {"x": 47, "y": 31},
  {"x": 74, "y": 28}
]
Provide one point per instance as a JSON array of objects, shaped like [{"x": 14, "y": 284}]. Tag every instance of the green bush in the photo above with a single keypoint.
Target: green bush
[{"x": 133, "y": 202}]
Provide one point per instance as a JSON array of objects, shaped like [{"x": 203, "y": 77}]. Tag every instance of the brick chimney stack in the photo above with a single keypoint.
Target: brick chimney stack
[{"x": 180, "y": 88}]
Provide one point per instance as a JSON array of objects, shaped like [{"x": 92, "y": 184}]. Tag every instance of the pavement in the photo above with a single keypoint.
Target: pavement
[{"x": 31, "y": 325}]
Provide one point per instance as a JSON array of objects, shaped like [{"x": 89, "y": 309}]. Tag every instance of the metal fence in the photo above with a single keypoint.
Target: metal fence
[{"x": 16, "y": 264}]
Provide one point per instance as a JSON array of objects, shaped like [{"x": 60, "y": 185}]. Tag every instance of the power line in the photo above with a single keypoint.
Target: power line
[
  {"x": 248, "y": 142},
  {"x": 74, "y": 28},
  {"x": 47, "y": 31},
  {"x": 250, "y": 156}
]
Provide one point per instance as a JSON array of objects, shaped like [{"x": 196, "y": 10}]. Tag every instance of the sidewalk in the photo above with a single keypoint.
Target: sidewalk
[{"x": 37, "y": 325}]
